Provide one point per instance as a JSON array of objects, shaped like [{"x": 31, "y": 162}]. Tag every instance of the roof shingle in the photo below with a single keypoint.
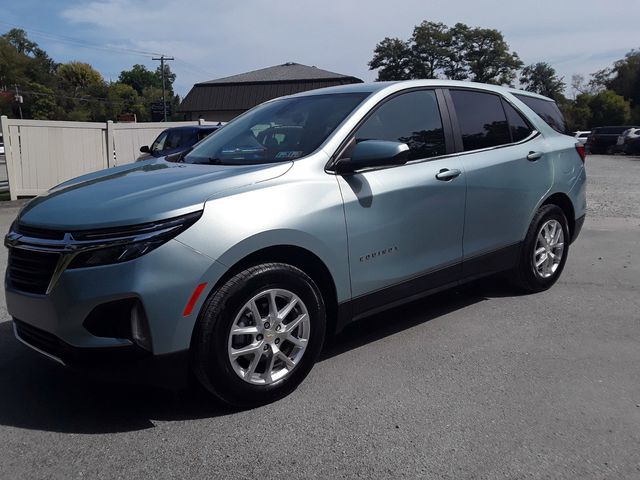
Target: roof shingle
[{"x": 287, "y": 72}]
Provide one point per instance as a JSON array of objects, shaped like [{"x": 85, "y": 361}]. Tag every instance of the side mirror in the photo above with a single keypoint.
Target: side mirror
[
  {"x": 372, "y": 154},
  {"x": 145, "y": 149}
]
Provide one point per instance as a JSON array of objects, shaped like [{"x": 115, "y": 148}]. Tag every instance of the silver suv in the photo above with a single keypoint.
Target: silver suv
[{"x": 304, "y": 214}]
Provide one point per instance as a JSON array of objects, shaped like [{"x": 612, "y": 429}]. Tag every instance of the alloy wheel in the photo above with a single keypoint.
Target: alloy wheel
[
  {"x": 549, "y": 248},
  {"x": 269, "y": 336}
]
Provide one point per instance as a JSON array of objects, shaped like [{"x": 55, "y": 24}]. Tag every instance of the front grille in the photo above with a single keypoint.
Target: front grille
[
  {"x": 39, "y": 232},
  {"x": 31, "y": 271},
  {"x": 40, "y": 339}
]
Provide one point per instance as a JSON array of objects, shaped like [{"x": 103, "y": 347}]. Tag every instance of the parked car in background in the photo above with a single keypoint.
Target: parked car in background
[
  {"x": 302, "y": 215},
  {"x": 176, "y": 140},
  {"x": 605, "y": 139},
  {"x": 629, "y": 141},
  {"x": 581, "y": 136}
]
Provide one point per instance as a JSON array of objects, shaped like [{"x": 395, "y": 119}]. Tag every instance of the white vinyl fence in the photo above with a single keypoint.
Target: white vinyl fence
[{"x": 41, "y": 153}]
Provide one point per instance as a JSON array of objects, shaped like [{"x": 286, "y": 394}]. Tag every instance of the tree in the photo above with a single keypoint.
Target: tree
[
  {"x": 140, "y": 78},
  {"x": 458, "y": 53},
  {"x": 624, "y": 77},
  {"x": 455, "y": 67},
  {"x": 42, "y": 103},
  {"x": 79, "y": 76},
  {"x": 609, "y": 108},
  {"x": 18, "y": 39},
  {"x": 169, "y": 78},
  {"x": 488, "y": 58},
  {"x": 430, "y": 47},
  {"x": 392, "y": 58},
  {"x": 542, "y": 78}
]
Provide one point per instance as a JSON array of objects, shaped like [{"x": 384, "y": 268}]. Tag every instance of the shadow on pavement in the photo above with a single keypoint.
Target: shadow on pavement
[{"x": 38, "y": 394}]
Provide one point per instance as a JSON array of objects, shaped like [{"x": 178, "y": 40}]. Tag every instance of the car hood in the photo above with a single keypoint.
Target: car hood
[{"x": 139, "y": 193}]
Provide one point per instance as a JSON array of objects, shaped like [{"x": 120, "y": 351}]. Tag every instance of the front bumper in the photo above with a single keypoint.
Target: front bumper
[
  {"x": 162, "y": 281},
  {"x": 129, "y": 364}
]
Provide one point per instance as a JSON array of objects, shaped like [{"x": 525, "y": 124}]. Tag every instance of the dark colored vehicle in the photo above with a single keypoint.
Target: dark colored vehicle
[
  {"x": 604, "y": 139},
  {"x": 629, "y": 142},
  {"x": 176, "y": 140}
]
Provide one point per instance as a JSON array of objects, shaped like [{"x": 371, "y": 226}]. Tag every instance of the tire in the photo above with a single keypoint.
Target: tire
[
  {"x": 526, "y": 276},
  {"x": 235, "y": 379}
]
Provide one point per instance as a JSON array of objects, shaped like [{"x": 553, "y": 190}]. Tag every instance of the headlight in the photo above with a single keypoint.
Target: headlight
[{"x": 115, "y": 245}]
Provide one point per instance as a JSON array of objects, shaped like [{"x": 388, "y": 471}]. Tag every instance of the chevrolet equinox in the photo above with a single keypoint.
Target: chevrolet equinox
[{"x": 230, "y": 264}]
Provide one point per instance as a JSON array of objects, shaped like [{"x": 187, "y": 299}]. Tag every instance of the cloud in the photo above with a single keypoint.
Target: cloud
[{"x": 216, "y": 39}]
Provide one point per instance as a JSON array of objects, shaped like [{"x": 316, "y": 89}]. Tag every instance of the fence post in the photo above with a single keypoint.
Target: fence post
[
  {"x": 201, "y": 121},
  {"x": 112, "y": 160},
  {"x": 9, "y": 156}
]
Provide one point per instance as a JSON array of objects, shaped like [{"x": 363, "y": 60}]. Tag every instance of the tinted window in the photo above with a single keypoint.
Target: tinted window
[
  {"x": 547, "y": 110},
  {"x": 518, "y": 126},
  {"x": 412, "y": 118},
  {"x": 481, "y": 118},
  {"x": 609, "y": 130},
  {"x": 280, "y": 130}
]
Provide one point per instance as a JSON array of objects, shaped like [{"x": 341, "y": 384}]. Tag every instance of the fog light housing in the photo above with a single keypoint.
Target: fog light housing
[{"x": 140, "y": 332}]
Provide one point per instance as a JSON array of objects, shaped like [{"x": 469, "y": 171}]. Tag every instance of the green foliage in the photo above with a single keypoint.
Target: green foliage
[
  {"x": 609, "y": 108},
  {"x": 73, "y": 90},
  {"x": 611, "y": 97},
  {"x": 625, "y": 77},
  {"x": 78, "y": 76},
  {"x": 459, "y": 53},
  {"x": 542, "y": 78},
  {"x": 43, "y": 105},
  {"x": 393, "y": 60},
  {"x": 139, "y": 78}
]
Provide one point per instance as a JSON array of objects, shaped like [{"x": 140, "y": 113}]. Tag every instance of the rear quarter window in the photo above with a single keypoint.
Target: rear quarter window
[{"x": 547, "y": 110}]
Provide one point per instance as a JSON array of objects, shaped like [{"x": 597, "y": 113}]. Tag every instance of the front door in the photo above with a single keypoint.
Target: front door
[{"x": 404, "y": 225}]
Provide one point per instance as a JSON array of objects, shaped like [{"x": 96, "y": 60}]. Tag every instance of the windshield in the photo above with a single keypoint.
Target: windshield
[
  {"x": 171, "y": 139},
  {"x": 277, "y": 131}
]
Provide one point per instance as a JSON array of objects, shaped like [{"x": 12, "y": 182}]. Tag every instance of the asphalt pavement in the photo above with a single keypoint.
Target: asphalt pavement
[{"x": 472, "y": 383}]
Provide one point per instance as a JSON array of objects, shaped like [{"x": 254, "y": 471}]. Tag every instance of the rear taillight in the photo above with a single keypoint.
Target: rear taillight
[{"x": 581, "y": 151}]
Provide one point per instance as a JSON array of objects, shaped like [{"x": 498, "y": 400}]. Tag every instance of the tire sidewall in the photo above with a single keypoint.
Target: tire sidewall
[
  {"x": 218, "y": 317},
  {"x": 546, "y": 213}
]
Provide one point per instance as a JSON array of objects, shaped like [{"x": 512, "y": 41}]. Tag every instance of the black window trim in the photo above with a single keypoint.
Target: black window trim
[
  {"x": 457, "y": 134},
  {"x": 447, "y": 127}
]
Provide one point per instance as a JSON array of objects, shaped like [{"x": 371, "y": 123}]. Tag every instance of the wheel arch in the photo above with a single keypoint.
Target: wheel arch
[
  {"x": 564, "y": 202},
  {"x": 296, "y": 256}
]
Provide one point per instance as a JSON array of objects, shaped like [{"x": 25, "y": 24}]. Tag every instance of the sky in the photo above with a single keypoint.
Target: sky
[{"x": 217, "y": 38}]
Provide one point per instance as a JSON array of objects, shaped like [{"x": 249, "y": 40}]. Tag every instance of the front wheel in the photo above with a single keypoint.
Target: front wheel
[
  {"x": 544, "y": 251},
  {"x": 259, "y": 335}
]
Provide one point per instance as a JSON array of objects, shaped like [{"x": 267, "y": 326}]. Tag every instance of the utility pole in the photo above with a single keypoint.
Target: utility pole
[
  {"x": 162, "y": 59},
  {"x": 19, "y": 100}
]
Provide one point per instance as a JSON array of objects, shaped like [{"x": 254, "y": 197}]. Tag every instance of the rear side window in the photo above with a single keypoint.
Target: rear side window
[
  {"x": 412, "y": 118},
  {"x": 519, "y": 127},
  {"x": 482, "y": 120},
  {"x": 547, "y": 110}
]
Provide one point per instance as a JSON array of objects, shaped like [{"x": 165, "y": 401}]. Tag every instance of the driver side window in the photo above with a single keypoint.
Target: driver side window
[
  {"x": 412, "y": 118},
  {"x": 158, "y": 145}
]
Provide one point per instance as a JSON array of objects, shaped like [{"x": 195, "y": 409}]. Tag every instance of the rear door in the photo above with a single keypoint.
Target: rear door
[
  {"x": 404, "y": 225},
  {"x": 507, "y": 173}
]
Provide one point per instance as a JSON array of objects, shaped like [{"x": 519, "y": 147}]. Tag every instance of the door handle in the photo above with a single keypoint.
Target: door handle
[
  {"x": 533, "y": 156},
  {"x": 445, "y": 174}
]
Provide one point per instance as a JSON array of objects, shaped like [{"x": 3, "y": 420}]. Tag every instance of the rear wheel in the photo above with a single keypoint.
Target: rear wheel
[
  {"x": 259, "y": 335},
  {"x": 544, "y": 252}
]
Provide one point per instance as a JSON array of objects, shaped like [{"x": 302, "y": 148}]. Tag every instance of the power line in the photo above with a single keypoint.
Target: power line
[
  {"x": 78, "y": 42},
  {"x": 78, "y": 99}
]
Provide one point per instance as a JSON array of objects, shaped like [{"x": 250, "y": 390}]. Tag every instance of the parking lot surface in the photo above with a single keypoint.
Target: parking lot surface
[{"x": 471, "y": 383}]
